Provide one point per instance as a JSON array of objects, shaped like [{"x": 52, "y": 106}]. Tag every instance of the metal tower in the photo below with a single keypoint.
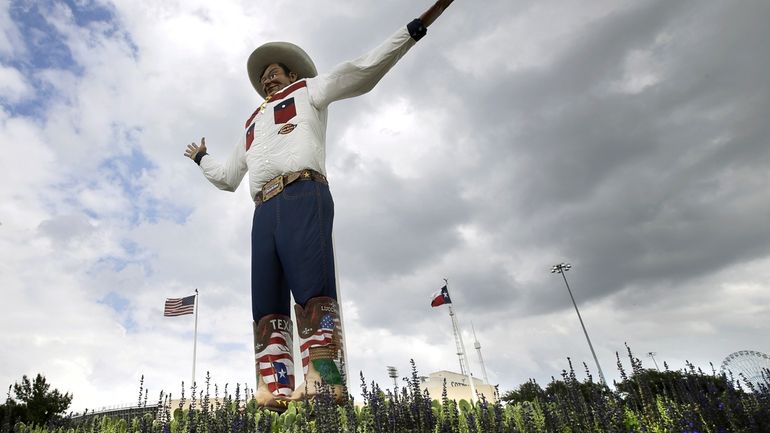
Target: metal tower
[
  {"x": 464, "y": 364},
  {"x": 458, "y": 342},
  {"x": 477, "y": 345}
]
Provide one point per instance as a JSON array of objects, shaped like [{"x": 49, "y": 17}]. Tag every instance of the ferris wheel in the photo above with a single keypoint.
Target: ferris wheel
[{"x": 749, "y": 365}]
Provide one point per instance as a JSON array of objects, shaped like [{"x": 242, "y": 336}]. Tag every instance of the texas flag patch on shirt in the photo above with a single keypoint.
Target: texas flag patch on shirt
[
  {"x": 249, "y": 136},
  {"x": 284, "y": 111}
]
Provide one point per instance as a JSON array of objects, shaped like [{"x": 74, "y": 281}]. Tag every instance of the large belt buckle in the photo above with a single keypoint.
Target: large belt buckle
[{"x": 272, "y": 188}]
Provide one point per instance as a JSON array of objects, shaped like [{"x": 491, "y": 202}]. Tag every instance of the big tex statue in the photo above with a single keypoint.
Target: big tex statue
[{"x": 283, "y": 148}]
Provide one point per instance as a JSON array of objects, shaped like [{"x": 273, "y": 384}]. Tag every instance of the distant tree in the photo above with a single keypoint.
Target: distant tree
[
  {"x": 35, "y": 403},
  {"x": 527, "y": 391},
  {"x": 9, "y": 413},
  {"x": 566, "y": 388},
  {"x": 587, "y": 390},
  {"x": 647, "y": 384},
  {"x": 557, "y": 388}
]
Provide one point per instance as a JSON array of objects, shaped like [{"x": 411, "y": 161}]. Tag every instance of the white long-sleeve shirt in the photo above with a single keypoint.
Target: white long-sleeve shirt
[{"x": 289, "y": 132}]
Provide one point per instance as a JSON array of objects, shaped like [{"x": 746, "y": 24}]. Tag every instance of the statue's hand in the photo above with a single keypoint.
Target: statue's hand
[
  {"x": 193, "y": 149},
  {"x": 434, "y": 11}
]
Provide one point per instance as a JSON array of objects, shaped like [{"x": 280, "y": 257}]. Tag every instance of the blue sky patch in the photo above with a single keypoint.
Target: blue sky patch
[
  {"x": 132, "y": 254},
  {"x": 121, "y": 306},
  {"x": 43, "y": 42},
  {"x": 45, "y": 47},
  {"x": 126, "y": 171},
  {"x": 116, "y": 302}
]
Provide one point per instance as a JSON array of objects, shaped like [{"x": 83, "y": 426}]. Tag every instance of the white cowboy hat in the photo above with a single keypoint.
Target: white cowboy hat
[{"x": 278, "y": 52}]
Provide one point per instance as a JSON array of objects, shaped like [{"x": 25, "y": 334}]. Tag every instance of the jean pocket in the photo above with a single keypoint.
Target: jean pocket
[{"x": 299, "y": 190}]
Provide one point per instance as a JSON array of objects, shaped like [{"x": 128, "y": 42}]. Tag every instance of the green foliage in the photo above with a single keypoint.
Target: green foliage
[
  {"x": 688, "y": 401},
  {"x": 527, "y": 391},
  {"x": 34, "y": 404}
]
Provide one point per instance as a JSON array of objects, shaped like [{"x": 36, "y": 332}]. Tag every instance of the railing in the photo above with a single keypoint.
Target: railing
[{"x": 127, "y": 410}]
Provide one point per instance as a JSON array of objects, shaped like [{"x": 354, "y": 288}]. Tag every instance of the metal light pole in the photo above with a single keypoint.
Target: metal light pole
[
  {"x": 393, "y": 374},
  {"x": 561, "y": 268},
  {"x": 652, "y": 355}
]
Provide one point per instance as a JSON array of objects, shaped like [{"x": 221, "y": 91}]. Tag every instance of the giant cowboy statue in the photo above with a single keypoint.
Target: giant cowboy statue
[{"x": 283, "y": 148}]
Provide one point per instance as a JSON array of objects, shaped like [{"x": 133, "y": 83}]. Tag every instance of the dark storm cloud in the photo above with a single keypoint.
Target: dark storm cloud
[
  {"x": 653, "y": 187},
  {"x": 392, "y": 226},
  {"x": 648, "y": 186},
  {"x": 478, "y": 289}
]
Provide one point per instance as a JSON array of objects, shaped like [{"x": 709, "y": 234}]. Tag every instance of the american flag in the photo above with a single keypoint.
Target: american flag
[
  {"x": 276, "y": 366},
  {"x": 322, "y": 337},
  {"x": 179, "y": 306}
]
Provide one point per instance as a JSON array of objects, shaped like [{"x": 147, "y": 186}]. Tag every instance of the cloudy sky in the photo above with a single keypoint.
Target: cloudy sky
[{"x": 627, "y": 138}]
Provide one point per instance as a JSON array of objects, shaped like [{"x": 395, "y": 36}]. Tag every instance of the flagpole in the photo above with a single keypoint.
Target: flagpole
[
  {"x": 458, "y": 345},
  {"x": 464, "y": 356},
  {"x": 195, "y": 338}
]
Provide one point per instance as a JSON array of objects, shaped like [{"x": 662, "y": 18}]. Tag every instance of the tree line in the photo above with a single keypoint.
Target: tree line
[{"x": 33, "y": 403}]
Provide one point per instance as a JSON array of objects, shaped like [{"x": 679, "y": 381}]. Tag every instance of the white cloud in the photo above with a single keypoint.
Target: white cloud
[
  {"x": 639, "y": 73},
  {"x": 13, "y": 86}
]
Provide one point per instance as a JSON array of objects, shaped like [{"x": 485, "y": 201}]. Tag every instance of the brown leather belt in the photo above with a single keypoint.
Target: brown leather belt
[{"x": 274, "y": 186}]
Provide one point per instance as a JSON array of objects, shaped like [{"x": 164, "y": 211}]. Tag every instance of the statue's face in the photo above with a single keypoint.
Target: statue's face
[{"x": 274, "y": 79}]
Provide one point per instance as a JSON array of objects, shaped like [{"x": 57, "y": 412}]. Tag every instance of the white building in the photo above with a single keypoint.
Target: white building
[{"x": 457, "y": 386}]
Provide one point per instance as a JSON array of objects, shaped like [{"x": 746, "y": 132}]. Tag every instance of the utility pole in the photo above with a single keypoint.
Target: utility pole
[
  {"x": 652, "y": 355},
  {"x": 393, "y": 374},
  {"x": 561, "y": 268}
]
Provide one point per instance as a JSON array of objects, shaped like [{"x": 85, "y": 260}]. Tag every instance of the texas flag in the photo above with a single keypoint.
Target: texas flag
[
  {"x": 440, "y": 298},
  {"x": 281, "y": 373}
]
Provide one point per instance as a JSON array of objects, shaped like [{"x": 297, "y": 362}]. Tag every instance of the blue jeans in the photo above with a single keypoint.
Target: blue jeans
[{"x": 291, "y": 249}]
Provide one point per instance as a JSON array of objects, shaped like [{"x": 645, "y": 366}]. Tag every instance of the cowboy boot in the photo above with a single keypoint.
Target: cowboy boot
[
  {"x": 273, "y": 360},
  {"x": 320, "y": 339}
]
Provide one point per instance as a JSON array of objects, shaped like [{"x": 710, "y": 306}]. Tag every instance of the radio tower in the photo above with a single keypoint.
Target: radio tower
[
  {"x": 458, "y": 343},
  {"x": 464, "y": 364},
  {"x": 477, "y": 345}
]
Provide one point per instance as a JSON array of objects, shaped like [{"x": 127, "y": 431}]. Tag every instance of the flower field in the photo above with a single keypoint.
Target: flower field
[{"x": 644, "y": 401}]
